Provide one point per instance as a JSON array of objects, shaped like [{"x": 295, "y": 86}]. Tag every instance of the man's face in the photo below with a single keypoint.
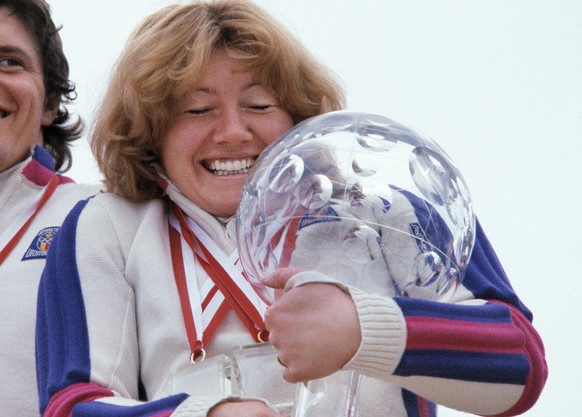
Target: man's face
[{"x": 23, "y": 104}]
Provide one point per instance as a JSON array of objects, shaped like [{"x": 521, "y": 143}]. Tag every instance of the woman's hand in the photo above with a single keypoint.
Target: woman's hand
[
  {"x": 314, "y": 327},
  {"x": 243, "y": 409}
]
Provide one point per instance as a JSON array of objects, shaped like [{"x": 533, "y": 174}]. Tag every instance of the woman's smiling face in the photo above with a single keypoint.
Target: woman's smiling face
[{"x": 217, "y": 133}]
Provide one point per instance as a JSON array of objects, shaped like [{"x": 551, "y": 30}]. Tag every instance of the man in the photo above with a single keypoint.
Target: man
[{"x": 35, "y": 133}]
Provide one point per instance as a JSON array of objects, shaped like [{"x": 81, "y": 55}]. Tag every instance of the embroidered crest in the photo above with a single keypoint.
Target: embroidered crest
[{"x": 40, "y": 244}]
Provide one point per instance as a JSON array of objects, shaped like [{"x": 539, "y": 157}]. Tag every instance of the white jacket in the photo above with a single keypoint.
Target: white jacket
[
  {"x": 111, "y": 330},
  {"x": 20, "y": 274}
]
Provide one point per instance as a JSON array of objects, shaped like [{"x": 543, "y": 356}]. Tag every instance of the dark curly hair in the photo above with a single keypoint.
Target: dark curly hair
[{"x": 35, "y": 16}]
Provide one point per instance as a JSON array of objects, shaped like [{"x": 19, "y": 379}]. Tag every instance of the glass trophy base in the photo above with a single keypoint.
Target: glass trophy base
[
  {"x": 257, "y": 373},
  {"x": 334, "y": 395},
  {"x": 253, "y": 371},
  {"x": 212, "y": 376}
]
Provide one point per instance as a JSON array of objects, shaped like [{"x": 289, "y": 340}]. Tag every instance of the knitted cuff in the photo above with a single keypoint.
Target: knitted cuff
[
  {"x": 311, "y": 277},
  {"x": 384, "y": 335}
]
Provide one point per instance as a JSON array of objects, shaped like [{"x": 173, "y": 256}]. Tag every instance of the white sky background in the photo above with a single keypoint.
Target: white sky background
[{"x": 497, "y": 83}]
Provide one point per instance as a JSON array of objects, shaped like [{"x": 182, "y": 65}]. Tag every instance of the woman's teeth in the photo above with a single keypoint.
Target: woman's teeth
[{"x": 241, "y": 166}]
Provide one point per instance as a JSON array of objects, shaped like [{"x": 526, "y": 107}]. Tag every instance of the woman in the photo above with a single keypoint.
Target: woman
[{"x": 143, "y": 280}]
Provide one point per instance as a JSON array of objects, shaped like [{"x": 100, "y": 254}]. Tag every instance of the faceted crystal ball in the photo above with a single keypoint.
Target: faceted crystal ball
[{"x": 362, "y": 199}]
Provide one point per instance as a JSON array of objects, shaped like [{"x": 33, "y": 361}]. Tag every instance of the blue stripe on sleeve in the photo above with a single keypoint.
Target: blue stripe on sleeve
[
  {"x": 467, "y": 366},
  {"x": 487, "y": 313},
  {"x": 62, "y": 353},
  {"x": 485, "y": 277}
]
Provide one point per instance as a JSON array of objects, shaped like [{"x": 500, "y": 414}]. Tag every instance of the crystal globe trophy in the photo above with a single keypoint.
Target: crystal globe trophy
[{"x": 368, "y": 202}]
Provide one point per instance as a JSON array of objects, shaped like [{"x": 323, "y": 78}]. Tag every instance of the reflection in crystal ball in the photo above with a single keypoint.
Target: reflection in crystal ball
[{"x": 362, "y": 199}]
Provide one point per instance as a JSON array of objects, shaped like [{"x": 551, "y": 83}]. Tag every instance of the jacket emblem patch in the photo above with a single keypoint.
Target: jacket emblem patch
[{"x": 40, "y": 244}]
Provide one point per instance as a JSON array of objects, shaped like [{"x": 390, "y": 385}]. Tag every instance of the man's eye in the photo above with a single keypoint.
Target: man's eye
[{"x": 10, "y": 62}]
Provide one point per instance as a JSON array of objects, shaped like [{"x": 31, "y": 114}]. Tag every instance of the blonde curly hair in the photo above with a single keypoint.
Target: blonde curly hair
[{"x": 162, "y": 62}]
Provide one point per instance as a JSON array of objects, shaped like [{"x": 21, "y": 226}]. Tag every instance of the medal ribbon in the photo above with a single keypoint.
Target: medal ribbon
[
  {"x": 235, "y": 292},
  {"x": 283, "y": 242},
  {"x": 17, "y": 228}
]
